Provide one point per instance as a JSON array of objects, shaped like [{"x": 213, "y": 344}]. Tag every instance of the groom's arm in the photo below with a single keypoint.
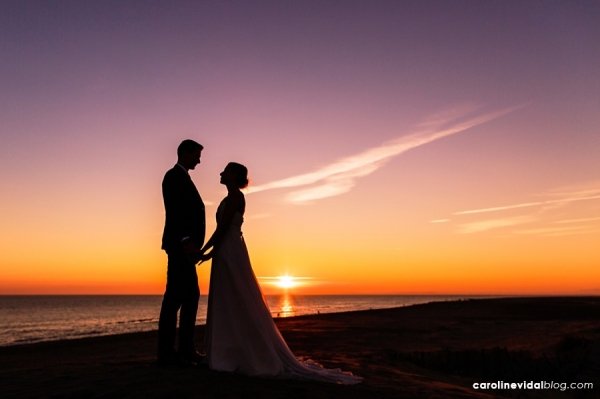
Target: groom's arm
[{"x": 175, "y": 208}]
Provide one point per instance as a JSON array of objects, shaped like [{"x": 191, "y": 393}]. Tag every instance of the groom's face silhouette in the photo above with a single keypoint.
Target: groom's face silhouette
[{"x": 190, "y": 159}]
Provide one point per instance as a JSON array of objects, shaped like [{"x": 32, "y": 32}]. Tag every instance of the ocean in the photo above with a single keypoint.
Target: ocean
[{"x": 29, "y": 319}]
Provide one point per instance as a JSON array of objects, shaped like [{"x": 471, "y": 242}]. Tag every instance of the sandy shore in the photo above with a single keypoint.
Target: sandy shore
[{"x": 435, "y": 350}]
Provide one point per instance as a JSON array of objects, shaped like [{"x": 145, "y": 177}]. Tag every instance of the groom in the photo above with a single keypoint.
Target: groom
[{"x": 182, "y": 239}]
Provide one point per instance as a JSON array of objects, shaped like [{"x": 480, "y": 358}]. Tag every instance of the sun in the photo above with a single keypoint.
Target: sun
[{"x": 286, "y": 281}]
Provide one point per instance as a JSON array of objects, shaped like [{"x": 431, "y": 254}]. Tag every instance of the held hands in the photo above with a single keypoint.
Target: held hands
[
  {"x": 206, "y": 252},
  {"x": 205, "y": 257}
]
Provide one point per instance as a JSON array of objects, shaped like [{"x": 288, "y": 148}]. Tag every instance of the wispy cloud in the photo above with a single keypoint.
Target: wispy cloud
[
  {"x": 542, "y": 215},
  {"x": 581, "y": 220},
  {"x": 499, "y": 208},
  {"x": 559, "y": 231},
  {"x": 560, "y": 196},
  {"x": 340, "y": 176},
  {"x": 528, "y": 205},
  {"x": 256, "y": 216},
  {"x": 485, "y": 225}
]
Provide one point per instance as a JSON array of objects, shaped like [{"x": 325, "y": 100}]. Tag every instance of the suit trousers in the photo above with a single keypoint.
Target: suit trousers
[{"x": 181, "y": 294}]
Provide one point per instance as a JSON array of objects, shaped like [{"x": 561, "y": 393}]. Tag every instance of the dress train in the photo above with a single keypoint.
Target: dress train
[{"x": 241, "y": 335}]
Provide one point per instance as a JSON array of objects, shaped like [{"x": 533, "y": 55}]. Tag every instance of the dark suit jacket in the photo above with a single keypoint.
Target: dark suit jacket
[{"x": 184, "y": 210}]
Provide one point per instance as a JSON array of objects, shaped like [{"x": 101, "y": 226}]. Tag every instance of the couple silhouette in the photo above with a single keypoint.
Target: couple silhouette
[{"x": 240, "y": 334}]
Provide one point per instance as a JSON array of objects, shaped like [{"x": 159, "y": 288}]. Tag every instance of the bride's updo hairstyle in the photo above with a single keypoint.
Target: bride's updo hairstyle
[{"x": 240, "y": 172}]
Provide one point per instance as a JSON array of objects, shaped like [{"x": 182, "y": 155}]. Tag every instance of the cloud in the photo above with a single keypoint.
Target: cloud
[
  {"x": 340, "y": 176},
  {"x": 560, "y": 196},
  {"x": 256, "y": 216},
  {"x": 528, "y": 205},
  {"x": 559, "y": 231},
  {"x": 439, "y": 221},
  {"x": 499, "y": 208},
  {"x": 332, "y": 186},
  {"x": 485, "y": 225},
  {"x": 541, "y": 213},
  {"x": 581, "y": 220}
]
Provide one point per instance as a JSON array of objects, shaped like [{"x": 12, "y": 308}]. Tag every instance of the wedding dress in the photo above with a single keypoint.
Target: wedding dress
[{"x": 241, "y": 335}]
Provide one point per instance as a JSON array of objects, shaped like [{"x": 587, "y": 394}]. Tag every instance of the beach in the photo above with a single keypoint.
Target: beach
[{"x": 435, "y": 350}]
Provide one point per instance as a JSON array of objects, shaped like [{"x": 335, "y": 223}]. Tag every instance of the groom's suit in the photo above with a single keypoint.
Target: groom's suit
[
  {"x": 185, "y": 223},
  {"x": 184, "y": 210}
]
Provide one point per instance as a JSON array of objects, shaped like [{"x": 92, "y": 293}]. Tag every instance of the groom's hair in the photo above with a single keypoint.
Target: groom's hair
[{"x": 188, "y": 146}]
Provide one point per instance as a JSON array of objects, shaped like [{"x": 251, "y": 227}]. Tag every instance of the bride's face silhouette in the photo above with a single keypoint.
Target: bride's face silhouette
[
  {"x": 234, "y": 176},
  {"x": 227, "y": 176}
]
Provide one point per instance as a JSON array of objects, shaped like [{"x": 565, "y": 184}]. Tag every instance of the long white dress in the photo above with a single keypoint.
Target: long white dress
[{"x": 241, "y": 335}]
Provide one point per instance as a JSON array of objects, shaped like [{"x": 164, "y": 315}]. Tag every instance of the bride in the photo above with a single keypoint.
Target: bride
[{"x": 241, "y": 335}]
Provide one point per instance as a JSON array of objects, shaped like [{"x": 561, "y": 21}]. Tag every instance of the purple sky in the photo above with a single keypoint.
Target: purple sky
[{"x": 96, "y": 95}]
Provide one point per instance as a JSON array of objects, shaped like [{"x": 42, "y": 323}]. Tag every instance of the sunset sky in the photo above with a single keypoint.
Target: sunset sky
[{"x": 394, "y": 147}]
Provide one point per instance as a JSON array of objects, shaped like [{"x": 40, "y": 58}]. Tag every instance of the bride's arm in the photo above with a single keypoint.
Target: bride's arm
[{"x": 233, "y": 204}]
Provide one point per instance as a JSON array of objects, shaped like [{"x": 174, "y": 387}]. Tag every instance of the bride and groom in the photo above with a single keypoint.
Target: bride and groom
[{"x": 241, "y": 335}]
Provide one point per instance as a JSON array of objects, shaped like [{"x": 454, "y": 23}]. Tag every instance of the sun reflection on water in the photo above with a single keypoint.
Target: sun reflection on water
[{"x": 285, "y": 306}]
